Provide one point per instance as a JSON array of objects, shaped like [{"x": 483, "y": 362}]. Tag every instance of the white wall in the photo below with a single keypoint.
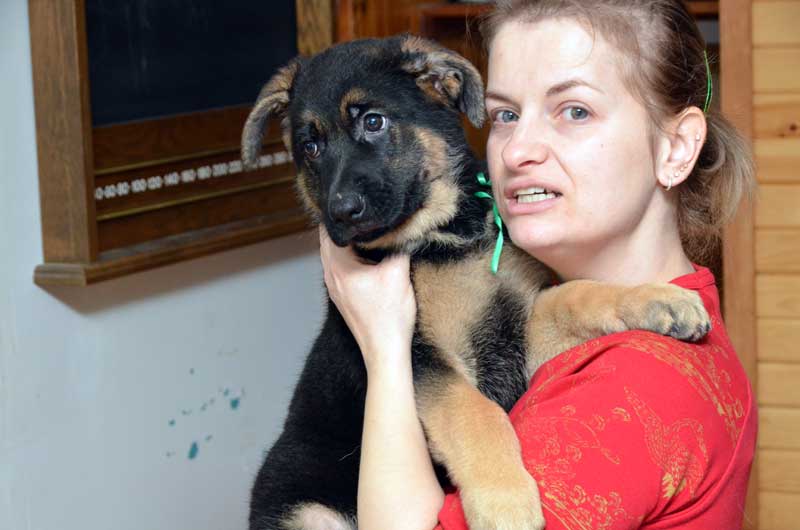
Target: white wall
[{"x": 90, "y": 378}]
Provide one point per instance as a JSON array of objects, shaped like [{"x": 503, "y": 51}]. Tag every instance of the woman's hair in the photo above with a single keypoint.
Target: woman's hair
[{"x": 664, "y": 64}]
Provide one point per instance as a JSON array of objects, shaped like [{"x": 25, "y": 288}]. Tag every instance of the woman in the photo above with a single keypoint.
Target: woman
[{"x": 603, "y": 105}]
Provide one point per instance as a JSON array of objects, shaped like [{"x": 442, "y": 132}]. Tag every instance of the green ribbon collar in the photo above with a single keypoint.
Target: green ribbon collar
[{"x": 498, "y": 247}]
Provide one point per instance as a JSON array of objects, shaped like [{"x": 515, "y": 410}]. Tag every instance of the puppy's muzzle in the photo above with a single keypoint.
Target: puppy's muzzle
[{"x": 347, "y": 208}]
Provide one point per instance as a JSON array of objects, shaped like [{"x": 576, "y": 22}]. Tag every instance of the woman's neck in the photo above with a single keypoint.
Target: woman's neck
[{"x": 650, "y": 253}]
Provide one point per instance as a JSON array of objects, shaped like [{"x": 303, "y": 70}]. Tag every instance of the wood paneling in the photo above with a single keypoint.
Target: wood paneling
[
  {"x": 778, "y": 511},
  {"x": 778, "y": 206},
  {"x": 775, "y": 69},
  {"x": 779, "y": 428},
  {"x": 152, "y": 142},
  {"x": 738, "y": 249},
  {"x": 778, "y": 250},
  {"x": 775, "y": 23},
  {"x": 778, "y": 160},
  {"x": 777, "y": 116},
  {"x": 780, "y": 472},
  {"x": 63, "y": 129},
  {"x": 172, "y": 249},
  {"x": 779, "y": 340},
  {"x": 314, "y": 25},
  {"x": 777, "y": 383},
  {"x": 778, "y": 295}
]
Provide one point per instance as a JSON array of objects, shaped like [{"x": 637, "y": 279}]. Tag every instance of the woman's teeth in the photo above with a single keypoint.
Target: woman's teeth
[{"x": 534, "y": 195}]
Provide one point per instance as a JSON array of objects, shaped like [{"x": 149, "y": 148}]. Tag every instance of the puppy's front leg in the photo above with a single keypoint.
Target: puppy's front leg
[
  {"x": 580, "y": 310},
  {"x": 473, "y": 437}
]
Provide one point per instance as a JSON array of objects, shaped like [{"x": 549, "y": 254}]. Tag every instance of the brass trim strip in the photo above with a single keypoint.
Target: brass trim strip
[{"x": 194, "y": 198}]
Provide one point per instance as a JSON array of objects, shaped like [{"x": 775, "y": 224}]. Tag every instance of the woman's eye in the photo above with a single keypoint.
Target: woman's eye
[
  {"x": 505, "y": 116},
  {"x": 576, "y": 113},
  {"x": 311, "y": 149},
  {"x": 374, "y": 122}
]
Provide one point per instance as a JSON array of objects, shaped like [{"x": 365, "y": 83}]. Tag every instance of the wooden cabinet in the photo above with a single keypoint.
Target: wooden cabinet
[{"x": 131, "y": 195}]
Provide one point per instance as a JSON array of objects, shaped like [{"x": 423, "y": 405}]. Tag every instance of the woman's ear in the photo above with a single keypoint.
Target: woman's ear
[{"x": 682, "y": 142}]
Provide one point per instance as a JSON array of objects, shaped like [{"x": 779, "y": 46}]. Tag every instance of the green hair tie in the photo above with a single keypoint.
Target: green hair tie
[
  {"x": 710, "y": 89},
  {"x": 498, "y": 247}
]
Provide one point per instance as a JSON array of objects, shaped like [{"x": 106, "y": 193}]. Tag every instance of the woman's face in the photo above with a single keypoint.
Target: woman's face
[{"x": 569, "y": 151}]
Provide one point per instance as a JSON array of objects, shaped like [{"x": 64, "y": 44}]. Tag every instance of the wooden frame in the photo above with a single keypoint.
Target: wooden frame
[
  {"x": 738, "y": 251},
  {"x": 129, "y": 197}
]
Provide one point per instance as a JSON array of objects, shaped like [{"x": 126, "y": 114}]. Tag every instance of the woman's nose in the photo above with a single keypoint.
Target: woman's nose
[{"x": 524, "y": 148}]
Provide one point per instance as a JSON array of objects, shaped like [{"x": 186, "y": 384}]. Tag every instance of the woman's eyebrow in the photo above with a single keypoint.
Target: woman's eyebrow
[
  {"x": 568, "y": 84},
  {"x": 497, "y": 97}
]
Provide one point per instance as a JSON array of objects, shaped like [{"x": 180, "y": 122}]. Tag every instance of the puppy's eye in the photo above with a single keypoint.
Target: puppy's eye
[
  {"x": 311, "y": 149},
  {"x": 374, "y": 122}
]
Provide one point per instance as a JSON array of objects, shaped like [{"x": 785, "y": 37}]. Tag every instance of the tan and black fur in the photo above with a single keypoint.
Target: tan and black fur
[{"x": 409, "y": 186}]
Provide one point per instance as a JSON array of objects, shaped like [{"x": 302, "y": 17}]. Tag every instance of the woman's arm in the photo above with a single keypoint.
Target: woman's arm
[{"x": 397, "y": 485}]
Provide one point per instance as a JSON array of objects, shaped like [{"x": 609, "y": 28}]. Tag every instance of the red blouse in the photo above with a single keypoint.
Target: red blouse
[{"x": 636, "y": 430}]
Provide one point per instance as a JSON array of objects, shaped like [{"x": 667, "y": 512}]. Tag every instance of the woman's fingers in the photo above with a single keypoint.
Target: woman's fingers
[{"x": 376, "y": 300}]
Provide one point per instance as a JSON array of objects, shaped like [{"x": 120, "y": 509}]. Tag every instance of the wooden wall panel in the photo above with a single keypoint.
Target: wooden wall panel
[
  {"x": 777, "y": 384},
  {"x": 779, "y": 428},
  {"x": 779, "y": 472},
  {"x": 775, "y": 23},
  {"x": 777, "y": 116},
  {"x": 777, "y": 159},
  {"x": 778, "y": 295},
  {"x": 776, "y": 69},
  {"x": 778, "y": 511},
  {"x": 776, "y": 124},
  {"x": 778, "y": 340},
  {"x": 778, "y": 206},
  {"x": 778, "y": 250}
]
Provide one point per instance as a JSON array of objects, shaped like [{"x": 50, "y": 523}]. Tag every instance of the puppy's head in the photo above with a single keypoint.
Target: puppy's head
[{"x": 375, "y": 131}]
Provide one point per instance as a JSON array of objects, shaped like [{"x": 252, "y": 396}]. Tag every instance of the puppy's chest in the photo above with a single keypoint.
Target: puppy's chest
[{"x": 456, "y": 299}]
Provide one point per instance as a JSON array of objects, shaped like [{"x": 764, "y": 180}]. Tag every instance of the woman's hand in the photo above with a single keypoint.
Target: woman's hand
[{"x": 376, "y": 300}]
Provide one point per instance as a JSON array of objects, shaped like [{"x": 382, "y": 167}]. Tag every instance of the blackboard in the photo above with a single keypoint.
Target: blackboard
[{"x": 155, "y": 58}]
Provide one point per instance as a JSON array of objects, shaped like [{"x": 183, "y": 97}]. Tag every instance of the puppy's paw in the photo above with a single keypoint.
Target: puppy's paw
[
  {"x": 511, "y": 506},
  {"x": 667, "y": 309}
]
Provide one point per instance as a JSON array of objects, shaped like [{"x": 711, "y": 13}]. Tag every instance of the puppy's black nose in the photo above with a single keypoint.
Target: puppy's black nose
[{"x": 346, "y": 207}]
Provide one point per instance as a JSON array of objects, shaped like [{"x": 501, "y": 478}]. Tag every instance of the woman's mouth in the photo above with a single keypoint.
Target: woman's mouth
[{"x": 530, "y": 195}]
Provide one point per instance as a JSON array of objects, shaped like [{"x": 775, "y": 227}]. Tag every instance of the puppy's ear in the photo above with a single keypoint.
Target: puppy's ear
[
  {"x": 445, "y": 76},
  {"x": 272, "y": 101}
]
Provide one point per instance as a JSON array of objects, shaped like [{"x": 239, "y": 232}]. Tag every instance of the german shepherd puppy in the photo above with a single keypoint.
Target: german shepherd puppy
[{"x": 374, "y": 127}]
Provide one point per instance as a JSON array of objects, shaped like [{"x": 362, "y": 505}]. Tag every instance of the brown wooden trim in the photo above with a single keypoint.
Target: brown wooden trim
[
  {"x": 173, "y": 249},
  {"x": 63, "y": 129},
  {"x": 314, "y": 25},
  {"x": 345, "y": 21},
  {"x": 157, "y": 141},
  {"x": 739, "y": 274}
]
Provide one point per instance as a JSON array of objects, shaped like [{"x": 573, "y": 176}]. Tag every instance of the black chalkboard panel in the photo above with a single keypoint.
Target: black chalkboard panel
[{"x": 154, "y": 58}]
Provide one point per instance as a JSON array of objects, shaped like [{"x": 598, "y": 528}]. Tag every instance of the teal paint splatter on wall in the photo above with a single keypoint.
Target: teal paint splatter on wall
[
  {"x": 208, "y": 438},
  {"x": 235, "y": 403},
  {"x": 172, "y": 423},
  {"x": 191, "y": 371},
  {"x": 193, "y": 451}
]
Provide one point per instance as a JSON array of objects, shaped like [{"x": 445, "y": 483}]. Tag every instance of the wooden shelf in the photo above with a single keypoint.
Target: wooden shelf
[{"x": 168, "y": 250}]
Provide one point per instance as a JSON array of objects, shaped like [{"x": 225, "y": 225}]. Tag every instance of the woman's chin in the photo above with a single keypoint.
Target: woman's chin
[{"x": 537, "y": 239}]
